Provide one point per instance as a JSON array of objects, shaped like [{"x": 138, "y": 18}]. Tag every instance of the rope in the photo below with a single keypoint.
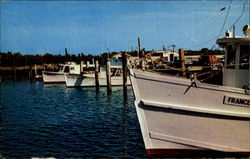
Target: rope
[
  {"x": 243, "y": 10},
  {"x": 225, "y": 18},
  {"x": 166, "y": 69},
  {"x": 222, "y": 28},
  {"x": 201, "y": 74},
  {"x": 202, "y": 80},
  {"x": 203, "y": 42}
]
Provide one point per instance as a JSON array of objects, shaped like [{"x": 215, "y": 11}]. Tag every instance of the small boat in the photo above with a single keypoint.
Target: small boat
[
  {"x": 37, "y": 76},
  {"x": 182, "y": 117},
  {"x": 58, "y": 76}
]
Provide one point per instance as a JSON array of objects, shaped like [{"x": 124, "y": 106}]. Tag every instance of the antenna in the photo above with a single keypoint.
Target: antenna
[
  {"x": 173, "y": 45},
  {"x": 234, "y": 31}
]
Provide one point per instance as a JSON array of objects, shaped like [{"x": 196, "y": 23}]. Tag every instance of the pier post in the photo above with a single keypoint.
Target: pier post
[
  {"x": 139, "y": 47},
  {"x": 124, "y": 69},
  {"x": 14, "y": 71},
  {"x": 143, "y": 64},
  {"x": 35, "y": 70},
  {"x": 87, "y": 65},
  {"x": 30, "y": 74},
  {"x": 66, "y": 54},
  {"x": 182, "y": 60},
  {"x": 108, "y": 71},
  {"x": 30, "y": 68},
  {"x": 80, "y": 67},
  {"x": 142, "y": 58},
  {"x": 96, "y": 75},
  {"x": 14, "y": 67}
]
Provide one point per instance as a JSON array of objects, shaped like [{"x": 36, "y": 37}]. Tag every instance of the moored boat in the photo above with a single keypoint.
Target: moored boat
[
  {"x": 58, "y": 76},
  {"x": 183, "y": 117},
  {"x": 87, "y": 76},
  {"x": 88, "y": 79}
]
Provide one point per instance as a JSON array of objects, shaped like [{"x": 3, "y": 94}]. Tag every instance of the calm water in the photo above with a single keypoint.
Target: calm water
[{"x": 54, "y": 121}]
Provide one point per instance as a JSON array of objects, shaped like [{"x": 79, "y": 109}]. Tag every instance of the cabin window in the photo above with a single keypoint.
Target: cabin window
[
  {"x": 89, "y": 69},
  {"x": 58, "y": 69},
  {"x": 231, "y": 52},
  {"x": 157, "y": 54},
  {"x": 66, "y": 69},
  {"x": 61, "y": 68},
  {"x": 244, "y": 56},
  {"x": 171, "y": 57}
]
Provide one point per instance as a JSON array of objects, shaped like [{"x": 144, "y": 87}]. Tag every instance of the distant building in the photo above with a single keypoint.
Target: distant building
[
  {"x": 116, "y": 59},
  {"x": 190, "y": 59},
  {"x": 117, "y": 56},
  {"x": 167, "y": 55}
]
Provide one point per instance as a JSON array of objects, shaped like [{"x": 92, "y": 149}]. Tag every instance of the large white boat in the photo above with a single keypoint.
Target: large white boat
[
  {"x": 58, "y": 76},
  {"x": 183, "y": 117},
  {"x": 88, "y": 79}
]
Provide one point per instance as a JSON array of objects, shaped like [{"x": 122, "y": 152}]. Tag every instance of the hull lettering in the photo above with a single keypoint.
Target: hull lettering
[{"x": 236, "y": 101}]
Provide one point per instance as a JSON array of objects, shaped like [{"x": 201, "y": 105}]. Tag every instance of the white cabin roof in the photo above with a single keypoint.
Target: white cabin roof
[{"x": 223, "y": 41}]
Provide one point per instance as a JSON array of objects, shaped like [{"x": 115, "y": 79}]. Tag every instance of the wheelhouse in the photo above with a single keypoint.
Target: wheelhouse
[{"x": 237, "y": 54}]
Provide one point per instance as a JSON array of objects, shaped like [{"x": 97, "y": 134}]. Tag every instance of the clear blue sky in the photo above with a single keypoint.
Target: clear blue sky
[{"x": 37, "y": 27}]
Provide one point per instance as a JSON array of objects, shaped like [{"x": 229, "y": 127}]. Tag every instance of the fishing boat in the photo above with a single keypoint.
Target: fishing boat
[
  {"x": 58, "y": 76},
  {"x": 182, "y": 117},
  {"x": 87, "y": 78}
]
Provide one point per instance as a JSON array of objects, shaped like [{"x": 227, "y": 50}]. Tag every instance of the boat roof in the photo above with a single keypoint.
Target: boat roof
[{"x": 233, "y": 40}]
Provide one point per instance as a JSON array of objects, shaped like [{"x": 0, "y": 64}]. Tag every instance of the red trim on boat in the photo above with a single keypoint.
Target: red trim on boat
[
  {"x": 88, "y": 72},
  {"x": 158, "y": 153}
]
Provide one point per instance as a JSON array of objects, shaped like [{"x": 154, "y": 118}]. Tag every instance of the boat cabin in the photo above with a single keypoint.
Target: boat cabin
[
  {"x": 69, "y": 67},
  {"x": 237, "y": 66}
]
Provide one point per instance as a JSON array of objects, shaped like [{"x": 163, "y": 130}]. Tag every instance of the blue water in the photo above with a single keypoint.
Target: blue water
[{"x": 40, "y": 120}]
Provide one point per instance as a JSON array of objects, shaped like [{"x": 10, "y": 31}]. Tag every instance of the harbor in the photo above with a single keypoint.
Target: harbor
[
  {"x": 60, "y": 122},
  {"x": 96, "y": 109},
  {"x": 173, "y": 101}
]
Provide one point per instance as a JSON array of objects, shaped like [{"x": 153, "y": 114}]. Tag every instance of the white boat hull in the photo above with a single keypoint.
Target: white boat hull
[
  {"x": 53, "y": 77},
  {"x": 177, "y": 119},
  {"x": 89, "y": 81}
]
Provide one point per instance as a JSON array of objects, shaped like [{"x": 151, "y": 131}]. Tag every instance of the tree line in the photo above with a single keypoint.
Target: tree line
[{"x": 18, "y": 59}]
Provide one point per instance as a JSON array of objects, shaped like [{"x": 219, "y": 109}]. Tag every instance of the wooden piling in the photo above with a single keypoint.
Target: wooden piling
[
  {"x": 14, "y": 71},
  {"x": 124, "y": 69},
  {"x": 87, "y": 64},
  {"x": 182, "y": 60},
  {"x": 108, "y": 71},
  {"x": 142, "y": 54},
  {"x": 30, "y": 68},
  {"x": 35, "y": 71},
  {"x": 66, "y": 54},
  {"x": 30, "y": 72},
  {"x": 143, "y": 67},
  {"x": 81, "y": 67},
  {"x": 139, "y": 47},
  {"x": 142, "y": 63},
  {"x": 96, "y": 74}
]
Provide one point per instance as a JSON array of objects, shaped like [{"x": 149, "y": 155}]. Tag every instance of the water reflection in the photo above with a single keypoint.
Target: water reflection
[{"x": 52, "y": 120}]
